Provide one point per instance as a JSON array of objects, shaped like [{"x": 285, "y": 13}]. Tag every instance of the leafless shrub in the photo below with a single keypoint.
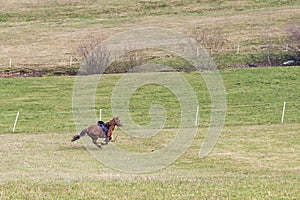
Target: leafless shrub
[
  {"x": 293, "y": 39},
  {"x": 213, "y": 40},
  {"x": 135, "y": 59},
  {"x": 127, "y": 62},
  {"x": 267, "y": 42},
  {"x": 96, "y": 57},
  {"x": 293, "y": 36}
]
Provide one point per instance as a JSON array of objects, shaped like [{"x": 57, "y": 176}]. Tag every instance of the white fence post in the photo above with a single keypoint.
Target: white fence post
[
  {"x": 197, "y": 116},
  {"x": 71, "y": 61},
  {"x": 238, "y": 49},
  {"x": 16, "y": 120},
  {"x": 283, "y": 111}
]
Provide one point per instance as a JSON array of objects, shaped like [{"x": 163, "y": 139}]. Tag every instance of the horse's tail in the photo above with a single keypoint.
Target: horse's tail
[{"x": 81, "y": 134}]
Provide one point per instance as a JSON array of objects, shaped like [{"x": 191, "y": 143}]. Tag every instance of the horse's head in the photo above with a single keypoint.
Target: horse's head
[{"x": 117, "y": 121}]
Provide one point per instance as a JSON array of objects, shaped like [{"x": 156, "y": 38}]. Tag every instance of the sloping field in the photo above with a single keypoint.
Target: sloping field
[{"x": 37, "y": 34}]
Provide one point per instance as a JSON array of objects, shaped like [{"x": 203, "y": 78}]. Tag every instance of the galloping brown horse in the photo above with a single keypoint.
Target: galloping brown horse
[{"x": 98, "y": 131}]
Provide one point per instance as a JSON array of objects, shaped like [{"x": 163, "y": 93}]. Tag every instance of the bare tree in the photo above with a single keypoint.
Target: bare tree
[
  {"x": 293, "y": 39},
  {"x": 267, "y": 41},
  {"x": 293, "y": 33},
  {"x": 136, "y": 58},
  {"x": 213, "y": 40},
  {"x": 96, "y": 57}
]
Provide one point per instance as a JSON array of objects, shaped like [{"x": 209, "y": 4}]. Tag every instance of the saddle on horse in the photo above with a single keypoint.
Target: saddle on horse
[{"x": 103, "y": 126}]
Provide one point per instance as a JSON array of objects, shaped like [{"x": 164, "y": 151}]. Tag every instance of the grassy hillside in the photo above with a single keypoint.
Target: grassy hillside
[{"x": 45, "y": 34}]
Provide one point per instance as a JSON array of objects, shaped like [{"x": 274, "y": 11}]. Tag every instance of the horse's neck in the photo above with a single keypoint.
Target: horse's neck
[{"x": 111, "y": 124}]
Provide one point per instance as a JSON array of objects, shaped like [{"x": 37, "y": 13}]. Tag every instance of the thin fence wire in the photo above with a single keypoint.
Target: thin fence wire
[
  {"x": 44, "y": 122},
  {"x": 13, "y": 113}
]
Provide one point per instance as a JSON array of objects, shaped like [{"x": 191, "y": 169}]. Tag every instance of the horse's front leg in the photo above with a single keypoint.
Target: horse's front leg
[{"x": 106, "y": 141}]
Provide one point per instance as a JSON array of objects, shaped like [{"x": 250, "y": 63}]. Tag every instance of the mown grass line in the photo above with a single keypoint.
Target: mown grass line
[{"x": 43, "y": 11}]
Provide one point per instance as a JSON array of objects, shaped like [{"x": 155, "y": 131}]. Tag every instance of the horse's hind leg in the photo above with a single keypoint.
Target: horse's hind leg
[{"x": 95, "y": 138}]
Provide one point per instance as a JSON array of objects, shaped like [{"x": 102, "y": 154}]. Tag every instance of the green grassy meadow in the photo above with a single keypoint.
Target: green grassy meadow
[
  {"x": 255, "y": 157},
  {"x": 254, "y": 96}
]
